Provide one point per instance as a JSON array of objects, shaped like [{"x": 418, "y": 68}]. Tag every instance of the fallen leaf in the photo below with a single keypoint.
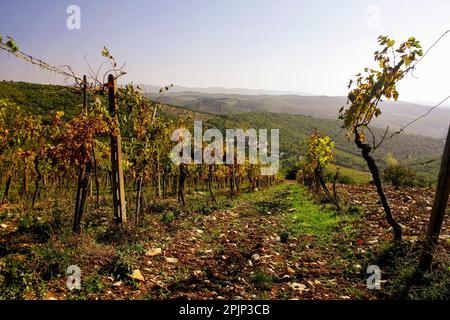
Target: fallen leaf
[
  {"x": 298, "y": 287},
  {"x": 290, "y": 270},
  {"x": 153, "y": 252},
  {"x": 137, "y": 275}
]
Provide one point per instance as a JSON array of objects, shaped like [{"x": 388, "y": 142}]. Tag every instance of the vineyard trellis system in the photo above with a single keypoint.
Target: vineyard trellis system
[
  {"x": 77, "y": 148},
  {"x": 62, "y": 151}
]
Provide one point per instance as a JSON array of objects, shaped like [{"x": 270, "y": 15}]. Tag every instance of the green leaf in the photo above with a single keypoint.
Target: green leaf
[
  {"x": 395, "y": 95},
  {"x": 11, "y": 45},
  {"x": 105, "y": 52}
]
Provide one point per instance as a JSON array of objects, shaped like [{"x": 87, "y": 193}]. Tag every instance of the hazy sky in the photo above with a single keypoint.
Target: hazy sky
[{"x": 305, "y": 46}]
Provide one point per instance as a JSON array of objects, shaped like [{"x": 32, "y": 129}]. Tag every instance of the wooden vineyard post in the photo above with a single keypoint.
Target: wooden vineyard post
[
  {"x": 84, "y": 177},
  {"x": 85, "y": 93},
  {"x": 118, "y": 188},
  {"x": 439, "y": 206}
]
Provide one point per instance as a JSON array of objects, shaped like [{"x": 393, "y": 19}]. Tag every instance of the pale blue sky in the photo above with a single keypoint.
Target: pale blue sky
[{"x": 306, "y": 46}]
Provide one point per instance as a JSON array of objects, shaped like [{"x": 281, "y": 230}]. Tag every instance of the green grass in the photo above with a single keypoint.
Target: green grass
[
  {"x": 262, "y": 279},
  {"x": 93, "y": 284},
  {"x": 308, "y": 218},
  {"x": 355, "y": 176},
  {"x": 311, "y": 218},
  {"x": 434, "y": 285}
]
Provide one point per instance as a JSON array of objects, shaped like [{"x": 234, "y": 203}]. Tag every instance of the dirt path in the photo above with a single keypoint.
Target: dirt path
[
  {"x": 276, "y": 243},
  {"x": 249, "y": 251}
]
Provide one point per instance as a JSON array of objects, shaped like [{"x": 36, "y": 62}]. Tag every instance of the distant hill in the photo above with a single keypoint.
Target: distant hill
[
  {"x": 413, "y": 151},
  {"x": 395, "y": 114},
  {"x": 295, "y": 130},
  {"x": 220, "y": 90}
]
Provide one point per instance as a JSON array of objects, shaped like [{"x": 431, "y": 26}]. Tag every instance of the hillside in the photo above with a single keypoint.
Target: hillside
[
  {"x": 395, "y": 114},
  {"x": 294, "y": 129},
  {"x": 151, "y": 89},
  {"x": 42, "y": 99}
]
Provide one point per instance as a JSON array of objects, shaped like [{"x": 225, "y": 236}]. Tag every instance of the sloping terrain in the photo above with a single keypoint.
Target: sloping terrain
[
  {"x": 412, "y": 150},
  {"x": 277, "y": 243},
  {"x": 395, "y": 114}
]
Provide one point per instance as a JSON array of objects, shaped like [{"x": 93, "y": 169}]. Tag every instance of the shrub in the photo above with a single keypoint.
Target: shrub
[
  {"x": 284, "y": 237},
  {"x": 16, "y": 279},
  {"x": 261, "y": 279},
  {"x": 346, "y": 180},
  {"x": 52, "y": 260},
  {"x": 167, "y": 217},
  {"x": 137, "y": 248},
  {"x": 93, "y": 284},
  {"x": 342, "y": 179},
  {"x": 291, "y": 172},
  {"x": 120, "y": 267},
  {"x": 204, "y": 209},
  {"x": 35, "y": 228},
  {"x": 120, "y": 235},
  {"x": 400, "y": 176},
  {"x": 57, "y": 221}
]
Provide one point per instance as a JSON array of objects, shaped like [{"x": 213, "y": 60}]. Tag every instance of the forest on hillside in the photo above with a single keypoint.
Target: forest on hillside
[{"x": 395, "y": 113}]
